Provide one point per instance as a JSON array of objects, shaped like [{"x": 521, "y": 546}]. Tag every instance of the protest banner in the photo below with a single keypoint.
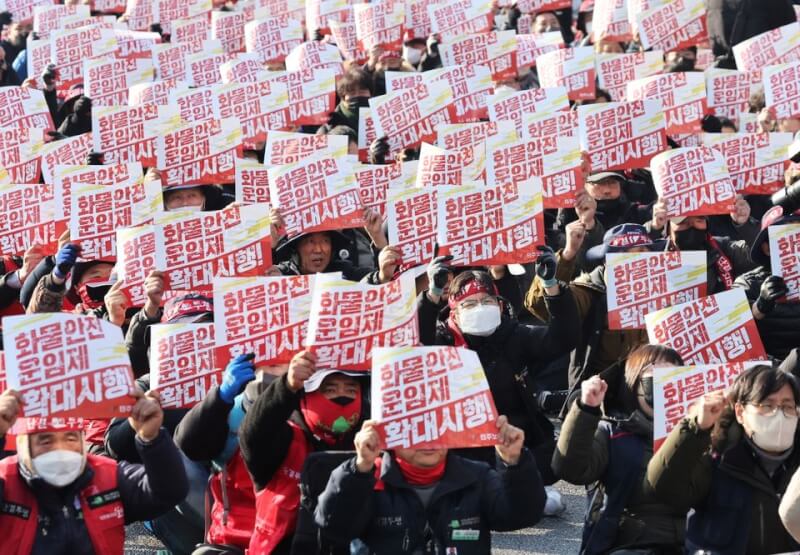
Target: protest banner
[
  {"x": 167, "y": 11},
  {"x": 537, "y": 6},
  {"x": 68, "y": 365},
  {"x": 756, "y": 162},
  {"x": 312, "y": 96},
  {"x": 258, "y": 105},
  {"x": 373, "y": 184},
  {"x": 70, "y": 47},
  {"x": 22, "y": 10},
  {"x": 136, "y": 44},
  {"x": 317, "y": 193},
  {"x": 512, "y": 106},
  {"x": 320, "y": 12},
  {"x": 72, "y": 150},
  {"x": 266, "y": 316},
  {"x": 411, "y": 217},
  {"x": 228, "y": 28},
  {"x": 24, "y": 107},
  {"x": 693, "y": 181},
  {"x": 98, "y": 210},
  {"x": 314, "y": 55},
  {"x": 272, "y": 38},
  {"x": 113, "y": 7},
  {"x": 471, "y": 86},
  {"x": 48, "y": 18},
  {"x": 139, "y": 14},
  {"x": 155, "y": 92},
  {"x": 202, "y": 68},
  {"x": 418, "y": 19},
  {"x": 643, "y": 282},
  {"x": 28, "y": 218},
  {"x": 366, "y": 133},
  {"x": 682, "y": 95},
  {"x": 556, "y": 160},
  {"x": 194, "y": 30},
  {"x": 784, "y": 255},
  {"x": 348, "y": 320},
  {"x": 107, "y": 80},
  {"x": 455, "y": 19},
  {"x": 65, "y": 177},
  {"x": 778, "y": 46},
  {"x": 615, "y": 71},
  {"x": 729, "y": 91},
  {"x": 495, "y": 49},
  {"x": 549, "y": 123},
  {"x": 169, "y": 60},
  {"x": 748, "y": 123},
  {"x": 199, "y": 153},
  {"x": 572, "y": 68},
  {"x": 194, "y": 104},
  {"x": 290, "y": 148},
  {"x": 438, "y": 166},
  {"x": 126, "y": 133},
  {"x": 182, "y": 363},
  {"x": 531, "y": 46},
  {"x": 409, "y": 117},
  {"x": 622, "y": 135},
  {"x": 782, "y": 89},
  {"x": 469, "y": 139},
  {"x": 37, "y": 53},
  {"x": 20, "y": 155},
  {"x": 344, "y": 35},
  {"x": 673, "y": 25},
  {"x": 380, "y": 25},
  {"x": 244, "y": 68},
  {"x": 432, "y": 397},
  {"x": 637, "y": 7},
  {"x": 251, "y": 181},
  {"x": 677, "y": 388},
  {"x": 713, "y": 329},
  {"x": 610, "y": 21},
  {"x": 481, "y": 226}
]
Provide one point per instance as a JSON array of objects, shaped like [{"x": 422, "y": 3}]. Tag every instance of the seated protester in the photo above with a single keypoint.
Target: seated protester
[
  {"x": 70, "y": 502},
  {"x": 739, "y": 225},
  {"x": 613, "y": 206},
  {"x": 598, "y": 348},
  {"x": 304, "y": 410},
  {"x": 610, "y": 446},
  {"x": 430, "y": 500},
  {"x": 730, "y": 461}
]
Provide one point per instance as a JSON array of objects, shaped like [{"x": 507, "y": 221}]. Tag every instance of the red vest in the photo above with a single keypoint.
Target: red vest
[
  {"x": 233, "y": 512},
  {"x": 100, "y": 502},
  {"x": 278, "y": 503}
]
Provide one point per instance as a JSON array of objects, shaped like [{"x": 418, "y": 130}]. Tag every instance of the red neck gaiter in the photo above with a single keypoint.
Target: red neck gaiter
[
  {"x": 330, "y": 419},
  {"x": 418, "y": 476}
]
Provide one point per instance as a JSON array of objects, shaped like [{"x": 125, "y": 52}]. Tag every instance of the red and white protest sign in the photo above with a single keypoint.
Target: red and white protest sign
[
  {"x": 693, "y": 181},
  {"x": 317, "y": 193},
  {"x": 411, "y": 217},
  {"x": 572, "y": 68},
  {"x": 68, "y": 365},
  {"x": 682, "y": 95},
  {"x": 199, "y": 153},
  {"x": 677, "y": 388},
  {"x": 48, "y": 18},
  {"x": 136, "y": 44},
  {"x": 320, "y": 12},
  {"x": 558, "y": 123},
  {"x": 28, "y": 218},
  {"x": 673, "y": 25},
  {"x": 72, "y": 150},
  {"x": 266, "y": 316},
  {"x": 643, "y": 282},
  {"x": 194, "y": 104},
  {"x": 438, "y": 166},
  {"x": 531, "y": 46},
  {"x": 107, "y": 80},
  {"x": 314, "y": 55},
  {"x": 610, "y": 21},
  {"x": 169, "y": 60},
  {"x": 272, "y": 38},
  {"x": 349, "y": 320},
  {"x": 182, "y": 363},
  {"x": 116, "y": 7},
  {"x": 373, "y": 184},
  {"x": 380, "y": 24},
  {"x": 202, "y": 68},
  {"x": 258, "y": 105},
  {"x": 756, "y": 162},
  {"x": 291, "y": 148},
  {"x": 69, "y": 48},
  {"x": 748, "y": 123},
  {"x": 481, "y": 226},
  {"x": 312, "y": 96},
  {"x": 453, "y": 20},
  {"x": 20, "y": 155},
  {"x": 22, "y": 10},
  {"x": 432, "y": 397},
  {"x": 622, "y": 135},
  {"x": 417, "y": 19},
  {"x": 126, "y": 133},
  {"x": 167, "y": 11},
  {"x": 139, "y": 14},
  {"x": 194, "y": 30},
  {"x": 495, "y": 49},
  {"x": 615, "y": 71},
  {"x": 65, "y": 177},
  {"x": 555, "y": 160},
  {"x": 228, "y": 28},
  {"x": 513, "y": 106},
  {"x": 244, "y": 68},
  {"x": 778, "y": 46},
  {"x": 469, "y": 139},
  {"x": 38, "y": 55},
  {"x": 714, "y": 329},
  {"x": 782, "y": 89},
  {"x": 344, "y": 35},
  {"x": 784, "y": 254},
  {"x": 537, "y": 6},
  {"x": 366, "y": 133},
  {"x": 24, "y": 107},
  {"x": 251, "y": 182},
  {"x": 729, "y": 91},
  {"x": 156, "y": 92}
]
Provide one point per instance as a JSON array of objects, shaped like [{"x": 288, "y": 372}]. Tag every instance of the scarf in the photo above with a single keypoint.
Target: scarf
[{"x": 418, "y": 476}]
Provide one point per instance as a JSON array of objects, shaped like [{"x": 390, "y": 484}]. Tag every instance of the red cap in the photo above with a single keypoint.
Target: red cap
[
  {"x": 52, "y": 424},
  {"x": 191, "y": 304}
]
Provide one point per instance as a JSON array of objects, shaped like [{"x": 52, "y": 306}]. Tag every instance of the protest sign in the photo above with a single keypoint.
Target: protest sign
[
  {"x": 20, "y": 155},
  {"x": 182, "y": 363},
  {"x": 729, "y": 91},
  {"x": 107, "y": 80},
  {"x": 714, "y": 329},
  {"x": 432, "y": 397},
  {"x": 24, "y": 107},
  {"x": 244, "y": 68},
  {"x": 495, "y": 49},
  {"x": 266, "y": 316},
  {"x": 556, "y": 160},
  {"x": 531, "y": 46},
  {"x": 677, "y": 388},
  {"x": 481, "y": 226},
  {"x": 693, "y": 181},
  {"x": 272, "y": 38},
  {"x": 68, "y": 365},
  {"x": 643, "y": 282},
  {"x": 156, "y": 92},
  {"x": 202, "y": 68},
  {"x": 136, "y": 44},
  {"x": 38, "y": 55},
  {"x": 228, "y": 28},
  {"x": 469, "y": 139},
  {"x": 70, "y": 47},
  {"x": 22, "y": 11},
  {"x": 344, "y": 35},
  {"x": 349, "y": 320},
  {"x": 258, "y": 106},
  {"x": 380, "y": 25},
  {"x": 167, "y": 11},
  {"x": 199, "y": 153},
  {"x": 512, "y": 106},
  {"x": 72, "y": 150},
  {"x": 572, "y": 68},
  {"x": 291, "y": 148},
  {"x": 622, "y": 135},
  {"x": 673, "y": 25},
  {"x": 320, "y": 12},
  {"x": 314, "y": 55},
  {"x": 169, "y": 60},
  {"x": 471, "y": 86},
  {"x": 778, "y": 46},
  {"x": 251, "y": 181},
  {"x": 115, "y": 7},
  {"x": 312, "y": 96},
  {"x": 139, "y": 14},
  {"x": 782, "y": 89},
  {"x": 317, "y": 193},
  {"x": 615, "y": 71},
  {"x": 682, "y": 95},
  {"x": 194, "y": 104},
  {"x": 417, "y": 18},
  {"x": 411, "y": 216},
  {"x": 194, "y": 30},
  {"x": 748, "y": 123},
  {"x": 549, "y": 123},
  {"x": 756, "y": 162},
  {"x": 373, "y": 184},
  {"x": 438, "y": 166},
  {"x": 537, "y": 6},
  {"x": 784, "y": 254},
  {"x": 65, "y": 177},
  {"x": 48, "y": 18},
  {"x": 366, "y": 133},
  {"x": 610, "y": 21},
  {"x": 126, "y": 133},
  {"x": 456, "y": 19},
  {"x": 28, "y": 218}
]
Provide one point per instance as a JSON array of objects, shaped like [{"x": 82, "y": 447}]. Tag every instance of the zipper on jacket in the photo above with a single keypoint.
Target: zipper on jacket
[{"x": 406, "y": 540}]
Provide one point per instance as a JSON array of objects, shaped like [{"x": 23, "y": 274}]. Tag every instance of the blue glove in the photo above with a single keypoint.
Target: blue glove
[
  {"x": 238, "y": 372},
  {"x": 65, "y": 260}
]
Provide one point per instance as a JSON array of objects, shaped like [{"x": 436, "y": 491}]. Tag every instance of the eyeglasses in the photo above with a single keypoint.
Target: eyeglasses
[
  {"x": 486, "y": 301},
  {"x": 768, "y": 409}
]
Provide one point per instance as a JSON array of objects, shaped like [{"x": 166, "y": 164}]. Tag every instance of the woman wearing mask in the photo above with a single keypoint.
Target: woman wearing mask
[
  {"x": 610, "y": 447},
  {"x": 731, "y": 461}
]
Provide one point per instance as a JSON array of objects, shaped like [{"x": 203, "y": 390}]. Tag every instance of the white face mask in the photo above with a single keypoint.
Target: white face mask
[
  {"x": 481, "y": 320},
  {"x": 412, "y": 55},
  {"x": 771, "y": 433},
  {"x": 59, "y": 467},
  {"x": 194, "y": 208}
]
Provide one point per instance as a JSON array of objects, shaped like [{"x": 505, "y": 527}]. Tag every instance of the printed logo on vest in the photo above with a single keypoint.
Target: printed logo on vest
[
  {"x": 13, "y": 509},
  {"x": 103, "y": 498}
]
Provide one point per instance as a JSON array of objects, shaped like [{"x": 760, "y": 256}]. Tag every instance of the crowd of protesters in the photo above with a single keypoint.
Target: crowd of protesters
[{"x": 287, "y": 459}]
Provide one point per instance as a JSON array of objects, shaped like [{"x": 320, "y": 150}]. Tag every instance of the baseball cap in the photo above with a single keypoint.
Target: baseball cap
[
  {"x": 621, "y": 238},
  {"x": 594, "y": 178},
  {"x": 37, "y": 425},
  {"x": 312, "y": 384}
]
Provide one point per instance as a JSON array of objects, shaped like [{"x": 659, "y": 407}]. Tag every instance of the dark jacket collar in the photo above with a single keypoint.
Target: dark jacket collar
[{"x": 458, "y": 475}]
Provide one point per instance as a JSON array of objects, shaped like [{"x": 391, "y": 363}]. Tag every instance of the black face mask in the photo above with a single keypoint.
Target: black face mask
[
  {"x": 342, "y": 401},
  {"x": 356, "y": 102},
  {"x": 647, "y": 390},
  {"x": 608, "y": 206},
  {"x": 681, "y": 64},
  {"x": 691, "y": 239}
]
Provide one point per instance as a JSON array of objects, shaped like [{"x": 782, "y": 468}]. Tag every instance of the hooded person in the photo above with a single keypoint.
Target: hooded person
[
  {"x": 80, "y": 120},
  {"x": 57, "y": 498},
  {"x": 304, "y": 410}
]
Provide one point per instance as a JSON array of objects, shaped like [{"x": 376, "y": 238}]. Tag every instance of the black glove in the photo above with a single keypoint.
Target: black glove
[
  {"x": 772, "y": 289},
  {"x": 438, "y": 271},
  {"x": 378, "y": 151},
  {"x": 318, "y": 36},
  {"x": 546, "y": 266}
]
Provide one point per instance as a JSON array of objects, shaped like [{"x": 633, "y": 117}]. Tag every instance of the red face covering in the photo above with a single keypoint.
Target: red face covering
[
  {"x": 83, "y": 293},
  {"x": 418, "y": 476},
  {"x": 330, "y": 419}
]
